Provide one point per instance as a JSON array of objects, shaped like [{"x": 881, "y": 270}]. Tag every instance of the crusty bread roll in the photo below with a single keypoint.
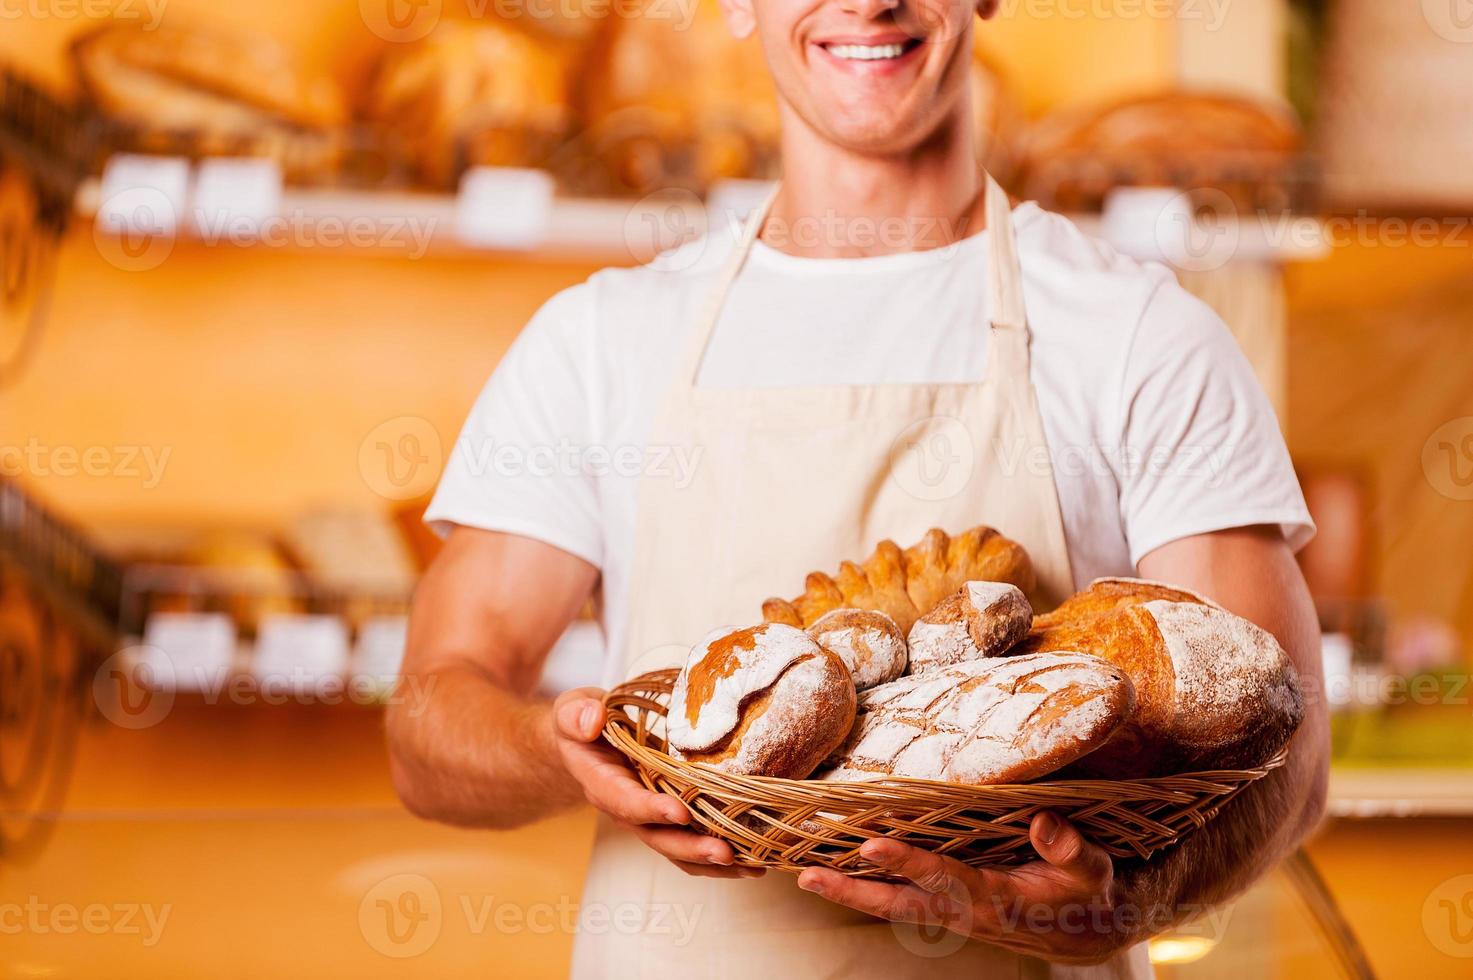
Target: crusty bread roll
[
  {"x": 907, "y": 584},
  {"x": 767, "y": 700},
  {"x": 869, "y": 642},
  {"x": 1213, "y": 691},
  {"x": 979, "y": 620},
  {"x": 1002, "y": 720}
]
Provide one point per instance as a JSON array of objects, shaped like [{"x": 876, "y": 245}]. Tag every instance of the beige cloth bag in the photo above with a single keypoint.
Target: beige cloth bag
[{"x": 793, "y": 479}]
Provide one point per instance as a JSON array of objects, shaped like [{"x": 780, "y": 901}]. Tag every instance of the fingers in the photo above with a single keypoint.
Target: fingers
[
  {"x": 930, "y": 872},
  {"x": 1062, "y": 846},
  {"x": 610, "y": 786},
  {"x": 897, "y": 903},
  {"x": 579, "y": 714},
  {"x": 686, "y": 846},
  {"x": 716, "y": 871}
]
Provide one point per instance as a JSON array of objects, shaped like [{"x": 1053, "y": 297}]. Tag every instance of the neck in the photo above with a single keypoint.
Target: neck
[{"x": 838, "y": 203}]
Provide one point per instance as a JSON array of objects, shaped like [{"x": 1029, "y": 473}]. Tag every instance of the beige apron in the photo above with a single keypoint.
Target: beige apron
[{"x": 789, "y": 480}]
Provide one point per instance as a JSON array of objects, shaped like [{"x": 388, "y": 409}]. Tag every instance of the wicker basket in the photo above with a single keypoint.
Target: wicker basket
[{"x": 792, "y": 824}]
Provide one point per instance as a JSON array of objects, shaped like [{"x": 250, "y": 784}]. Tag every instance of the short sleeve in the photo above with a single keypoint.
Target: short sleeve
[
  {"x": 1201, "y": 449},
  {"x": 517, "y": 465}
]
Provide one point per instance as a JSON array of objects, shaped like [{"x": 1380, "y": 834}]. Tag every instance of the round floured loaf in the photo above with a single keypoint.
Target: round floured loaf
[
  {"x": 767, "y": 700},
  {"x": 869, "y": 642},
  {"x": 1002, "y": 720},
  {"x": 1213, "y": 690},
  {"x": 981, "y": 619}
]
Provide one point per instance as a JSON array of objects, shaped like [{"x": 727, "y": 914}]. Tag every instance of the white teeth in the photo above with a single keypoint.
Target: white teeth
[{"x": 866, "y": 52}]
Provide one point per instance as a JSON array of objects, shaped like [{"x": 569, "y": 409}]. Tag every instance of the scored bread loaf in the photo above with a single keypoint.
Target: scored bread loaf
[
  {"x": 1213, "y": 691},
  {"x": 979, "y": 722},
  {"x": 869, "y": 642},
  {"x": 979, "y": 620},
  {"x": 767, "y": 700},
  {"x": 907, "y": 584}
]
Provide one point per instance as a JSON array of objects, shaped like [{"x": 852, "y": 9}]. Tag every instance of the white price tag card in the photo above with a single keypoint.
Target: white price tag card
[
  {"x": 504, "y": 207},
  {"x": 298, "y": 651},
  {"x": 187, "y": 651},
  {"x": 143, "y": 195},
  {"x": 234, "y": 198},
  {"x": 380, "y": 648}
]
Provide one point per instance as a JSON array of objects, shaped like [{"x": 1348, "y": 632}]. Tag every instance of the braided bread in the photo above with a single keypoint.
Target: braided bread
[{"x": 906, "y": 585}]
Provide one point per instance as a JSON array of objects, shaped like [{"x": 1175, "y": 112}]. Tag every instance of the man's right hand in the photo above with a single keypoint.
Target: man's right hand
[{"x": 610, "y": 785}]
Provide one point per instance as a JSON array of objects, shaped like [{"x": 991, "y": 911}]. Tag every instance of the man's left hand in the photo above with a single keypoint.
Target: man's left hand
[{"x": 1061, "y": 908}]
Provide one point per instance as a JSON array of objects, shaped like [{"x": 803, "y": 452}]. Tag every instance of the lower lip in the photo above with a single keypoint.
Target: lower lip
[{"x": 877, "y": 66}]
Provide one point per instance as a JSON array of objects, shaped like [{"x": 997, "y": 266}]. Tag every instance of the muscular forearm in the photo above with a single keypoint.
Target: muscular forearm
[
  {"x": 1252, "y": 573},
  {"x": 1253, "y": 833},
  {"x": 467, "y": 752}
]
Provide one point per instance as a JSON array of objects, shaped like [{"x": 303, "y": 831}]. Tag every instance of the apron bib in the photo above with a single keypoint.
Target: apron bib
[{"x": 790, "y": 480}]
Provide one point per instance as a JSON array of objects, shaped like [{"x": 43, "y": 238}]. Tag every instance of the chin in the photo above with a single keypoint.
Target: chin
[{"x": 881, "y": 134}]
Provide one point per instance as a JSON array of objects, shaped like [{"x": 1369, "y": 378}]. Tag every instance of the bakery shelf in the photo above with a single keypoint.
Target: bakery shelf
[{"x": 608, "y": 230}]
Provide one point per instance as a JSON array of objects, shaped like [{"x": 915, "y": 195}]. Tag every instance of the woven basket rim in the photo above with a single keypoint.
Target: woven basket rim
[{"x": 618, "y": 722}]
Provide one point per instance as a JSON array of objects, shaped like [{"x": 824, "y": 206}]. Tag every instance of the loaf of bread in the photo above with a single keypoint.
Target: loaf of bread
[
  {"x": 979, "y": 620},
  {"x": 1213, "y": 691},
  {"x": 477, "y": 93},
  {"x": 869, "y": 642},
  {"x": 767, "y": 700},
  {"x": 907, "y": 584},
  {"x": 1001, "y": 720}
]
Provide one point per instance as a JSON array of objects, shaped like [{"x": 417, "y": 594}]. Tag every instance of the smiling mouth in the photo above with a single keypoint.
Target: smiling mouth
[{"x": 871, "y": 52}]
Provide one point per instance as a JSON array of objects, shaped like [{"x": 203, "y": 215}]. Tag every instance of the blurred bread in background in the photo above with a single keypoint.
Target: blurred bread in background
[
  {"x": 473, "y": 93},
  {"x": 669, "y": 104},
  {"x": 1245, "y": 149},
  {"x": 206, "y": 91}
]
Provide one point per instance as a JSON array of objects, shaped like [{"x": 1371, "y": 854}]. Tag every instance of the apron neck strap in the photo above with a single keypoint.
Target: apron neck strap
[
  {"x": 1004, "y": 277},
  {"x": 716, "y": 299},
  {"x": 1004, "y": 280}
]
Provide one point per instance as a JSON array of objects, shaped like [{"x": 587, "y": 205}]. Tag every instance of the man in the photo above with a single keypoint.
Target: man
[{"x": 779, "y": 390}]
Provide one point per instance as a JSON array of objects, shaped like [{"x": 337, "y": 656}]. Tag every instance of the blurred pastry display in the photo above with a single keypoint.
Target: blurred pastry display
[
  {"x": 1246, "y": 150},
  {"x": 352, "y": 551},
  {"x": 242, "y": 573},
  {"x": 669, "y": 104},
  {"x": 998, "y": 118},
  {"x": 206, "y": 92},
  {"x": 479, "y": 93}
]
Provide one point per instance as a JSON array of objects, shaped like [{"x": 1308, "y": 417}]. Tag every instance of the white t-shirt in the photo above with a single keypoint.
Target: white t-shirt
[{"x": 1157, "y": 426}]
